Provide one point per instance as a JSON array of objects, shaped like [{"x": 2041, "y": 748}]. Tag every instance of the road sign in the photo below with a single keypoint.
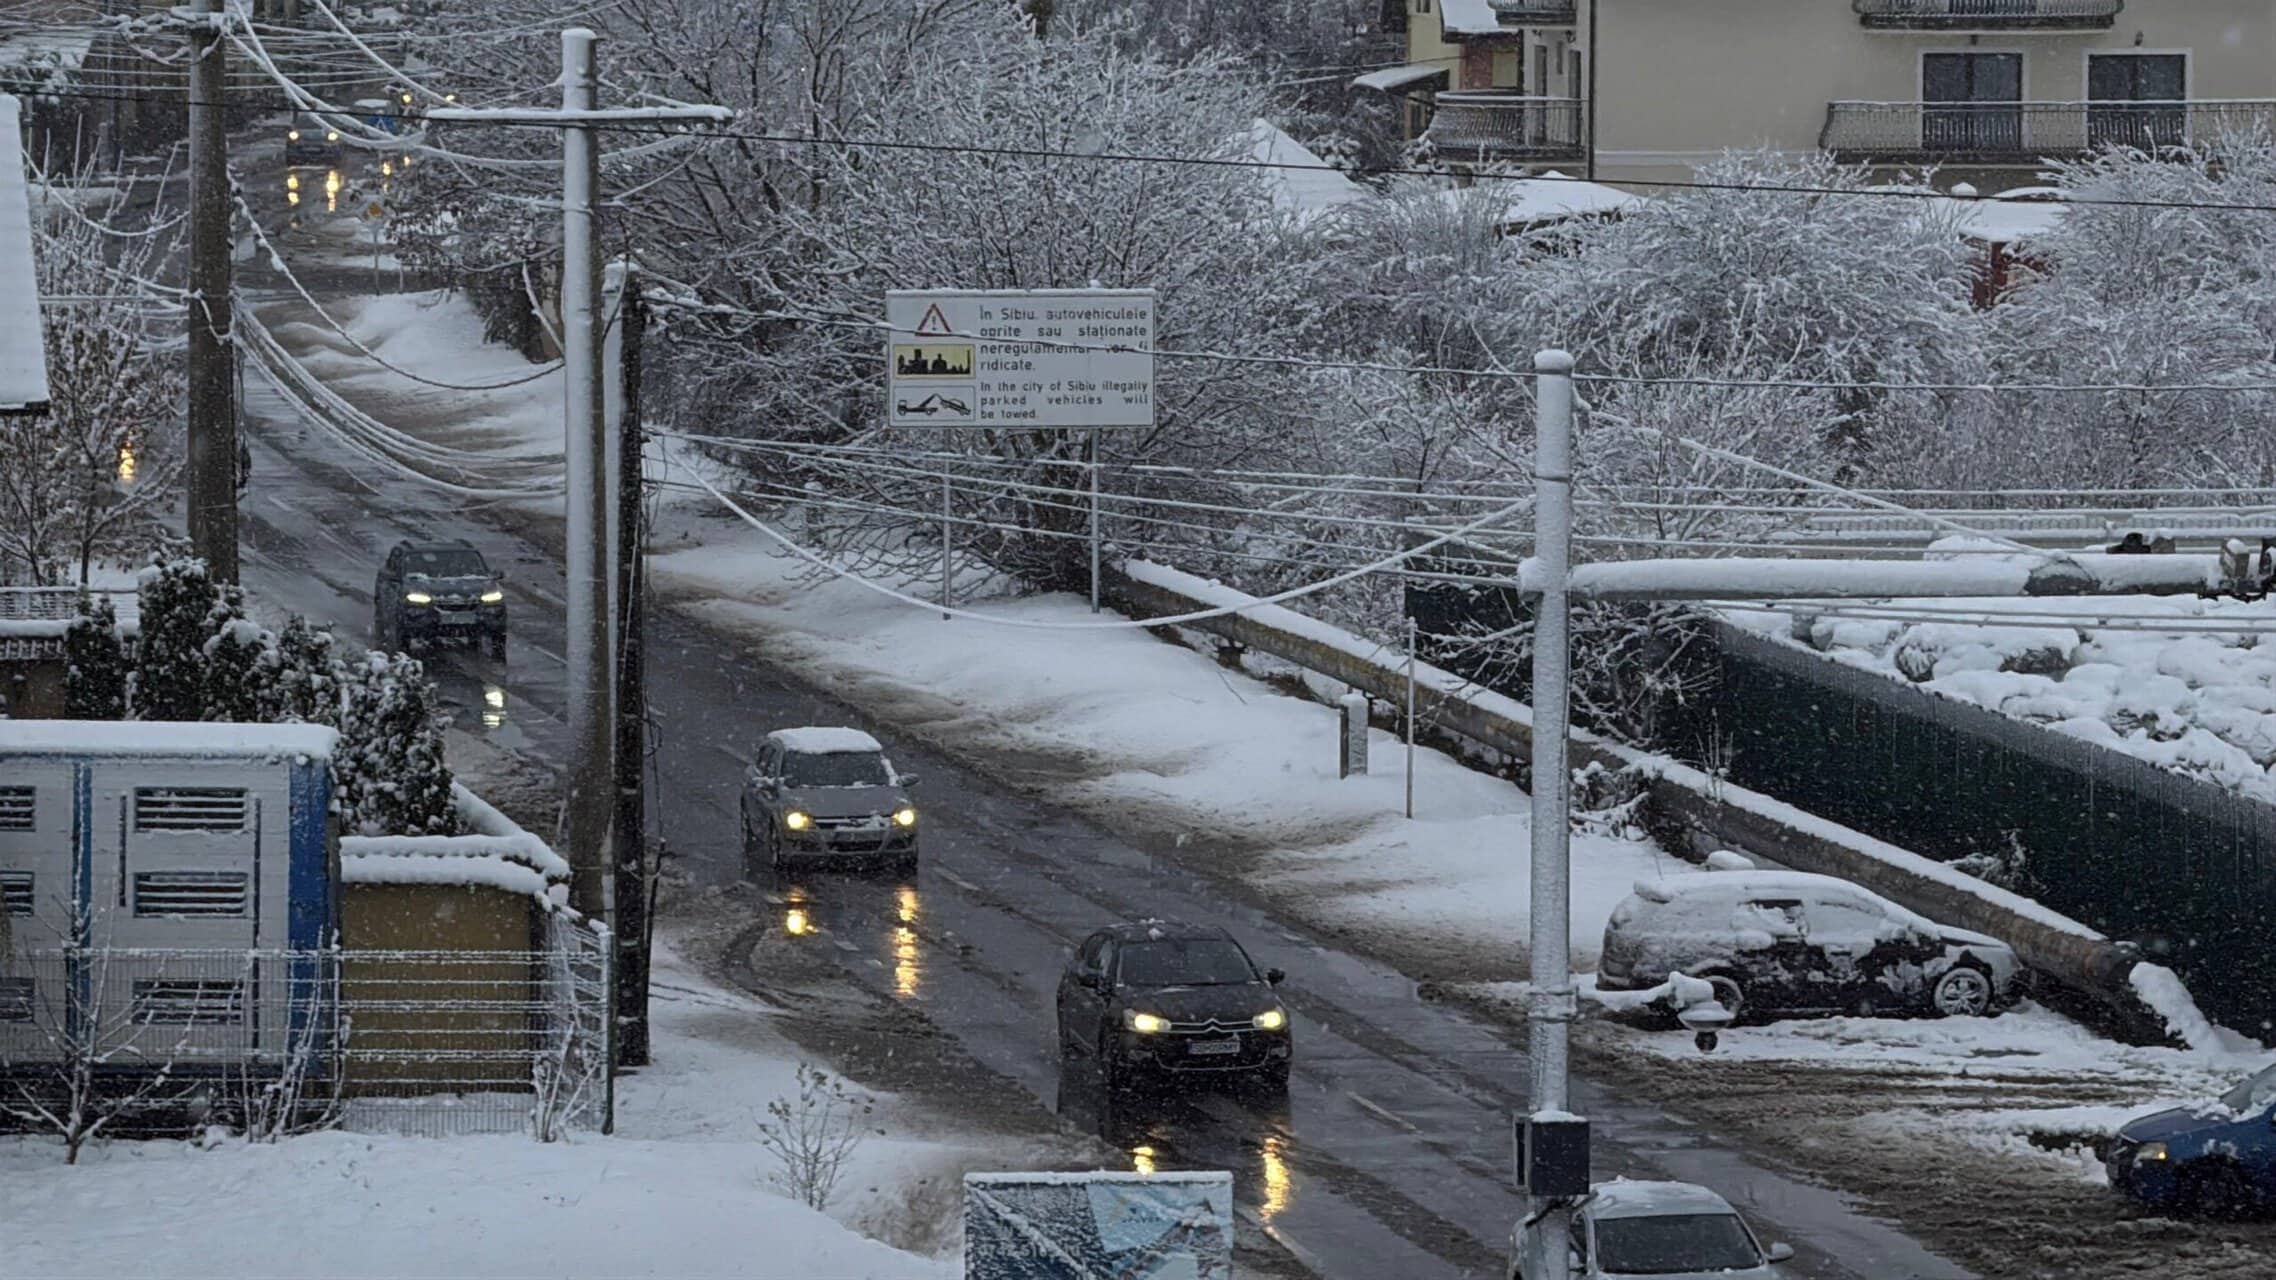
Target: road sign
[
  {"x": 373, "y": 210},
  {"x": 1000, "y": 358}
]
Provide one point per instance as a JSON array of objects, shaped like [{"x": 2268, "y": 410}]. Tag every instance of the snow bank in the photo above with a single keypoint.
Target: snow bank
[{"x": 2160, "y": 988}]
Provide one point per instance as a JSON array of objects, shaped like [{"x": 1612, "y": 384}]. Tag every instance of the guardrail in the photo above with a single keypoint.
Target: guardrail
[{"x": 1714, "y": 814}]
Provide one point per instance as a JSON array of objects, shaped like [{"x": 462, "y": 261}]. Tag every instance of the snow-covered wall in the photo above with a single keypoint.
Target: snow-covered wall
[{"x": 495, "y": 853}]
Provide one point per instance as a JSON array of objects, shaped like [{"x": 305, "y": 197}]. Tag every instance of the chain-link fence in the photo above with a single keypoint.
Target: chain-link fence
[{"x": 421, "y": 1042}]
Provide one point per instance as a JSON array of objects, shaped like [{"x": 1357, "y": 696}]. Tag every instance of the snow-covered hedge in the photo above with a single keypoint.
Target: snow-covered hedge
[{"x": 495, "y": 853}]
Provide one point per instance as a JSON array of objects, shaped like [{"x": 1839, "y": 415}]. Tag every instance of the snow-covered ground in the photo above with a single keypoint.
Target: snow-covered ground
[{"x": 683, "y": 1189}]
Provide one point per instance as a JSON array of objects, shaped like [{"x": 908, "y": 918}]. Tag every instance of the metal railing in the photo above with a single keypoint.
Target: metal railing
[
  {"x": 2020, "y": 132},
  {"x": 424, "y": 1042},
  {"x": 1508, "y": 125},
  {"x": 1536, "y": 13},
  {"x": 1988, "y": 15}
]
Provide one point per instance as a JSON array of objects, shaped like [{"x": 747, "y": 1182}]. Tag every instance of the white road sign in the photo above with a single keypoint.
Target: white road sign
[{"x": 1048, "y": 358}]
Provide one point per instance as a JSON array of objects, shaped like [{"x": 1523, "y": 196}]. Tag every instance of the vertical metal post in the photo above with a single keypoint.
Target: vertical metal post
[
  {"x": 1094, "y": 521},
  {"x": 1412, "y": 635},
  {"x": 213, "y": 398},
  {"x": 1549, "y": 1017},
  {"x": 591, "y": 803},
  {"x": 630, "y": 922},
  {"x": 947, "y": 535}
]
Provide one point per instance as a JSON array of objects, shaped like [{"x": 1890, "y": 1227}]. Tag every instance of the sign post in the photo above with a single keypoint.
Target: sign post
[{"x": 1044, "y": 360}]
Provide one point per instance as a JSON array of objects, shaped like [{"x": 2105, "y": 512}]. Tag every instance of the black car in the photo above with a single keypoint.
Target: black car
[
  {"x": 430, "y": 592},
  {"x": 311, "y": 141},
  {"x": 1163, "y": 1000}
]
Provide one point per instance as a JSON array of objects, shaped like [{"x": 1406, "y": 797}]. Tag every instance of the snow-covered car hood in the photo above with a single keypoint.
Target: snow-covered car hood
[
  {"x": 844, "y": 802},
  {"x": 467, "y": 585}
]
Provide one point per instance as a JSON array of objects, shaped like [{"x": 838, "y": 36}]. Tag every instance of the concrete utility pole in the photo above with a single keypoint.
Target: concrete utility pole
[
  {"x": 1549, "y": 1015},
  {"x": 592, "y": 707},
  {"x": 212, "y": 364}
]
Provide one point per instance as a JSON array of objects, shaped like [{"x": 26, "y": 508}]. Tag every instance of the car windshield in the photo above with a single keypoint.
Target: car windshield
[
  {"x": 1671, "y": 1244},
  {"x": 834, "y": 769},
  {"x": 1185, "y": 962},
  {"x": 446, "y": 563},
  {"x": 2255, "y": 1093}
]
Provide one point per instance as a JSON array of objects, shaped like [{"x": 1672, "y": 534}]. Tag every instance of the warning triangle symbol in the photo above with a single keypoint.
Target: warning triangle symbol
[{"x": 934, "y": 324}]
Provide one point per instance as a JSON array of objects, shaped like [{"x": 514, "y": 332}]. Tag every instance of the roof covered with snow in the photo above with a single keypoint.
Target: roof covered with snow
[
  {"x": 1625, "y": 1198},
  {"x": 23, "y": 350},
  {"x": 1470, "y": 18},
  {"x": 1391, "y": 79},
  {"x": 153, "y": 738},
  {"x": 1554, "y": 197},
  {"x": 816, "y": 741},
  {"x": 1305, "y": 187}
]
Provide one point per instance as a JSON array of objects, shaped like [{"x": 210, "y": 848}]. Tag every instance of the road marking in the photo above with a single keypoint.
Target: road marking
[
  {"x": 732, "y": 754},
  {"x": 955, "y": 879},
  {"x": 1382, "y": 1113},
  {"x": 540, "y": 649},
  {"x": 542, "y": 594},
  {"x": 1305, "y": 1258}
]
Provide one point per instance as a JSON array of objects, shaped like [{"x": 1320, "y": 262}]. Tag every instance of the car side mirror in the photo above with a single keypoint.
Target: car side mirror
[
  {"x": 1095, "y": 980},
  {"x": 906, "y": 779},
  {"x": 1274, "y": 977},
  {"x": 1780, "y": 1252}
]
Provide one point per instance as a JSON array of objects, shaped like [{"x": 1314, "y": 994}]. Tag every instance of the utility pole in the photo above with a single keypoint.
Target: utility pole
[
  {"x": 632, "y": 879},
  {"x": 212, "y": 362},
  {"x": 1549, "y": 1014},
  {"x": 592, "y": 803}
]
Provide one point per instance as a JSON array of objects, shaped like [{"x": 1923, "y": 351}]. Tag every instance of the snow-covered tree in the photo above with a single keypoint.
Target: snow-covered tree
[
  {"x": 236, "y": 659},
  {"x": 95, "y": 676},
  {"x": 177, "y": 603},
  {"x": 92, "y": 476},
  {"x": 390, "y": 774},
  {"x": 303, "y": 679}
]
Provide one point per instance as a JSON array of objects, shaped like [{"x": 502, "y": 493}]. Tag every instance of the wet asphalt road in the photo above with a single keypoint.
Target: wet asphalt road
[{"x": 1391, "y": 1154}]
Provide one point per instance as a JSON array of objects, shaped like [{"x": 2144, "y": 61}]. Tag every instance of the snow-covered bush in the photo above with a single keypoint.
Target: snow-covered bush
[
  {"x": 302, "y": 677},
  {"x": 814, "y": 1134},
  {"x": 177, "y": 602},
  {"x": 389, "y": 773},
  {"x": 95, "y": 675},
  {"x": 235, "y": 653}
]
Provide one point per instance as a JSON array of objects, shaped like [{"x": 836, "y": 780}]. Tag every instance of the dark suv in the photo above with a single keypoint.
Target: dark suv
[
  {"x": 437, "y": 591},
  {"x": 1162, "y": 1000},
  {"x": 311, "y": 140}
]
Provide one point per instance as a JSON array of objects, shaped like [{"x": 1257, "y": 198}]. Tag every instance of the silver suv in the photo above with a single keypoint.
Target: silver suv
[{"x": 824, "y": 793}]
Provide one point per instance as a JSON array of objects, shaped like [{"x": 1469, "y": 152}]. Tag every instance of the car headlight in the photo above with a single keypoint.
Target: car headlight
[
  {"x": 493, "y": 597},
  {"x": 418, "y": 597},
  {"x": 292, "y": 135},
  {"x": 330, "y": 136},
  {"x": 1144, "y": 1024},
  {"x": 1269, "y": 1020},
  {"x": 796, "y": 821},
  {"x": 2153, "y": 1151},
  {"x": 904, "y": 816}
]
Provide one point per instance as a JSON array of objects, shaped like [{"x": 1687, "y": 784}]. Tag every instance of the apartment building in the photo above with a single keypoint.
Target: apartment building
[{"x": 1984, "y": 89}]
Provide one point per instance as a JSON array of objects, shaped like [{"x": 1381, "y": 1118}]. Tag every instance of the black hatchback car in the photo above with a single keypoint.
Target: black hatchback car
[
  {"x": 1160, "y": 1000},
  {"x": 437, "y": 592}
]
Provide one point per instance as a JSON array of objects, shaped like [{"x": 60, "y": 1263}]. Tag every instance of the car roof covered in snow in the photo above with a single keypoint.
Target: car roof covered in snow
[
  {"x": 163, "y": 738},
  {"x": 1623, "y": 1198},
  {"x": 815, "y": 740},
  {"x": 1732, "y": 883},
  {"x": 1165, "y": 931}
]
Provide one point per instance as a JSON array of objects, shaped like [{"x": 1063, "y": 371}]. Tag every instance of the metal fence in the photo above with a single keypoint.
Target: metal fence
[
  {"x": 419, "y": 1042},
  {"x": 2023, "y": 132},
  {"x": 1507, "y": 124}
]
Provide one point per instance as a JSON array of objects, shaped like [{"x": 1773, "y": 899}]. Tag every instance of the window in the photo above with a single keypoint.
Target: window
[
  {"x": 1847, "y": 923},
  {"x": 834, "y": 769},
  {"x": 189, "y": 809},
  {"x": 1971, "y": 102},
  {"x": 1087, "y": 960},
  {"x": 1422, "y": 6},
  {"x": 2137, "y": 80},
  {"x": 1186, "y": 962},
  {"x": 446, "y": 562},
  {"x": 16, "y": 813}
]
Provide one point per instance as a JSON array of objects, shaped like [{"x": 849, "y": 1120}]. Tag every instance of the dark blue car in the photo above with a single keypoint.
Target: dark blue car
[{"x": 2216, "y": 1159}]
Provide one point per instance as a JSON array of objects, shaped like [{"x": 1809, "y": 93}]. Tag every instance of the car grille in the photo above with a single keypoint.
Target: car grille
[{"x": 1172, "y": 1049}]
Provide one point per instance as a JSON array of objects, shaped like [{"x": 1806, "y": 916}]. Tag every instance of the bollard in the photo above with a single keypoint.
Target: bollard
[{"x": 1352, "y": 755}]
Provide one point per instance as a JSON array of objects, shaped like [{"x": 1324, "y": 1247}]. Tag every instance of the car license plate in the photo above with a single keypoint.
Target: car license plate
[
  {"x": 456, "y": 617},
  {"x": 1212, "y": 1047}
]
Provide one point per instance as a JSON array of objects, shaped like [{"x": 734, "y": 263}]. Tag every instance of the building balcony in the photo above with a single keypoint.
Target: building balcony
[
  {"x": 1536, "y": 13},
  {"x": 1507, "y": 126},
  {"x": 2022, "y": 133},
  {"x": 1988, "y": 15}
]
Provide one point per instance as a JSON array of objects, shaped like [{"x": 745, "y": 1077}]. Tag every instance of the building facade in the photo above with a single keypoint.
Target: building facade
[{"x": 1982, "y": 89}]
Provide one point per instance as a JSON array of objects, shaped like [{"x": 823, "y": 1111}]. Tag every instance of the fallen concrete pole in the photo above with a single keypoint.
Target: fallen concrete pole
[
  {"x": 1785, "y": 578},
  {"x": 1714, "y": 814}
]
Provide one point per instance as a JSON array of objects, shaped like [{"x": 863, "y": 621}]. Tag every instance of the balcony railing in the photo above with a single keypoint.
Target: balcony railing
[
  {"x": 2022, "y": 132},
  {"x": 1507, "y": 126},
  {"x": 1536, "y": 13},
  {"x": 1988, "y": 15}
]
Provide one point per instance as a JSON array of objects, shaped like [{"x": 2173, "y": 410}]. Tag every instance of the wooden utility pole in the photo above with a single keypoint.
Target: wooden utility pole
[
  {"x": 633, "y": 888},
  {"x": 212, "y": 356}
]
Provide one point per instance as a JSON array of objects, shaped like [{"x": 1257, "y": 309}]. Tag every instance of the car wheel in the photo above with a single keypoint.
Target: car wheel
[
  {"x": 2220, "y": 1189},
  {"x": 774, "y": 847},
  {"x": 1964, "y": 991},
  {"x": 497, "y": 645},
  {"x": 1730, "y": 995},
  {"x": 750, "y": 846},
  {"x": 1113, "y": 1077},
  {"x": 1273, "y": 1077}
]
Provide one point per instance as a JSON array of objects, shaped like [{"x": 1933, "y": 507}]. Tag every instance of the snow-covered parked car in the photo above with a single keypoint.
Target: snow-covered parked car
[
  {"x": 1671, "y": 1230},
  {"x": 2217, "y": 1159},
  {"x": 1786, "y": 942}
]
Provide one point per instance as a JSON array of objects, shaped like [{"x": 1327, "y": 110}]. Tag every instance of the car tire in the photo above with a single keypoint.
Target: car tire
[
  {"x": 1273, "y": 1077},
  {"x": 2220, "y": 1189},
  {"x": 495, "y": 643},
  {"x": 1730, "y": 994},
  {"x": 750, "y": 846},
  {"x": 1963, "y": 991},
  {"x": 1113, "y": 1077},
  {"x": 774, "y": 847}
]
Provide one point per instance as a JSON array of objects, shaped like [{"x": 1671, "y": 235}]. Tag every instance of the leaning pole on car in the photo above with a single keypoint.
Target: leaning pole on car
[{"x": 1549, "y": 1013}]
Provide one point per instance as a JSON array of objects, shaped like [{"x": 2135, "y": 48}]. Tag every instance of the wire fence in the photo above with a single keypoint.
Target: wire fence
[{"x": 424, "y": 1043}]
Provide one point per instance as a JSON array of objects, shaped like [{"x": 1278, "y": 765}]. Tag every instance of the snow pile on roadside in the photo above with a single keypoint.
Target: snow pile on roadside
[
  {"x": 1162, "y": 735},
  {"x": 2196, "y": 702},
  {"x": 2161, "y": 989},
  {"x": 682, "y": 1191}
]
